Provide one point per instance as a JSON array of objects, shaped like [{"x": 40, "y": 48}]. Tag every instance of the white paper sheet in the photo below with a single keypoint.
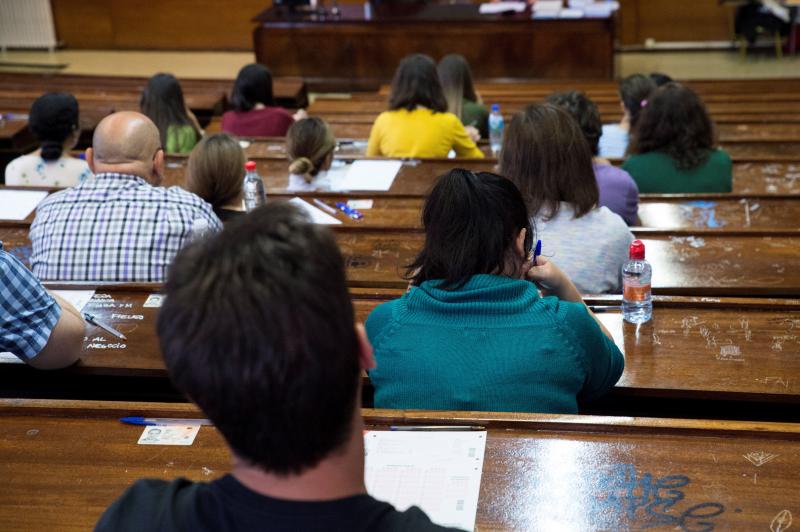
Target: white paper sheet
[
  {"x": 317, "y": 215},
  {"x": 78, "y": 298},
  {"x": 439, "y": 472},
  {"x": 368, "y": 175},
  {"x": 501, "y": 7},
  {"x": 8, "y": 358},
  {"x": 18, "y": 204}
]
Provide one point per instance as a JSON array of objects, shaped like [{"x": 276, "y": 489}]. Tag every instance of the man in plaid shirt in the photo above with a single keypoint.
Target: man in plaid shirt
[
  {"x": 37, "y": 327},
  {"x": 119, "y": 226}
]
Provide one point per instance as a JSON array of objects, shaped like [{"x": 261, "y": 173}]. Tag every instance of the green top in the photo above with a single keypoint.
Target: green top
[
  {"x": 493, "y": 345},
  {"x": 655, "y": 172},
  {"x": 180, "y": 139},
  {"x": 476, "y": 115}
]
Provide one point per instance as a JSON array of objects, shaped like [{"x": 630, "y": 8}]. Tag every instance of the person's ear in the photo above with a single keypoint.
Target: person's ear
[
  {"x": 90, "y": 159},
  {"x": 158, "y": 167},
  {"x": 366, "y": 357},
  {"x": 519, "y": 245}
]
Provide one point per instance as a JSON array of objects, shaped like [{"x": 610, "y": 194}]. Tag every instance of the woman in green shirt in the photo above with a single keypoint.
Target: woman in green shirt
[
  {"x": 462, "y": 100},
  {"x": 473, "y": 332},
  {"x": 672, "y": 147},
  {"x": 162, "y": 101}
]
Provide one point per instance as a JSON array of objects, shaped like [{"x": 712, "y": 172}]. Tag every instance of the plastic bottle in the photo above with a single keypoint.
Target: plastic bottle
[
  {"x": 495, "y": 130},
  {"x": 637, "y": 302},
  {"x": 254, "y": 192}
]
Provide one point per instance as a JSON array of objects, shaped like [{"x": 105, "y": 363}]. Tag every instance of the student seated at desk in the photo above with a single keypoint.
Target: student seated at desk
[
  {"x": 257, "y": 328},
  {"x": 254, "y": 111},
  {"x": 417, "y": 123},
  {"x": 215, "y": 172},
  {"x": 162, "y": 101},
  {"x": 472, "y": 332},
  {"x": 546, "y": 155},
  {"x": 617, "y": 188},
  {"x": 462, "y": 100},
  {"x": 673, "y": 149},
  {"x": 310, "y": 145},
  {"x": 53, "y": 120},
  {"x": 39, "y": 328},
  {"x": 633, "y": 94}
]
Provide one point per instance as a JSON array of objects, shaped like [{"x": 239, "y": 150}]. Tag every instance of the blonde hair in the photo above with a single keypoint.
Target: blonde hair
[
  {"x": 216, "y": 169},
  {"x": 308, "y": 143}
]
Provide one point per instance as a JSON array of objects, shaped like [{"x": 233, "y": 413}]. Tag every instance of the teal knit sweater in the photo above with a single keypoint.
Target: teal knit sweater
[{"x": 492, "y": 345}]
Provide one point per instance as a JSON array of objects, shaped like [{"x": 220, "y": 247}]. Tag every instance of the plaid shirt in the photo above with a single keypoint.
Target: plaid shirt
[
  {"x": 115, "y": 227},
  {"x": 28, "y": 314}
]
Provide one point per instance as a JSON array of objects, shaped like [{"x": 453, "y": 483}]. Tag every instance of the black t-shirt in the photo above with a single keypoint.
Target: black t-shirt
[
  {"x": 226, "y": 215},
  {"x": 227, "y": 505}
]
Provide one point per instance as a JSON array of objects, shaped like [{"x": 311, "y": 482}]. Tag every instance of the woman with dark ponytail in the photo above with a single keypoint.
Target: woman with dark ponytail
[
  {"x": 310, "y": 145},
  {"x": 53, "y": 120}
]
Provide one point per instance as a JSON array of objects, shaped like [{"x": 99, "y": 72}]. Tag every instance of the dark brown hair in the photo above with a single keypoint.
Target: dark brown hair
[
  {"x": 215, "y": 171},
  {"x": 308, "y": 143},
  {"x": 253, "y": 85},
  {"x": 53, "y": 118},
  {"x": 416, "y": 83},
  {"x": 471, "y": 222},
  {"x": 675, "y": 122},
  {"x": 585, "y": 113},
  {"x": 634, "y": 92},
  {"x": 456, "y": 78},
  {"x": 546, "y": 155},
  {"x": 162, "y": 101}
]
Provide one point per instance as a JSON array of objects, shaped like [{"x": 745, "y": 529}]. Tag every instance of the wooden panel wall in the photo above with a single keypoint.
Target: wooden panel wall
[{"x": 674, "y": 20}]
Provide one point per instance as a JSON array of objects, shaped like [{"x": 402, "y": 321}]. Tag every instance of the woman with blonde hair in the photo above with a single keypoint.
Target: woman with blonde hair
[
  {"x": 459, "y": 91},
  {"x": 310, "y": 145},
  {"x": 216, "y": 173}
]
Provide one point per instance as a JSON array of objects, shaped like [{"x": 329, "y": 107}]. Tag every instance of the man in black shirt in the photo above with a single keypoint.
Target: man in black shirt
[{"x": 257, "y": 329}]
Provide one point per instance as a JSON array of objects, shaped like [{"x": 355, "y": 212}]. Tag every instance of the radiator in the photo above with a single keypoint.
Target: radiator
[{"x": 26, "y": 24}]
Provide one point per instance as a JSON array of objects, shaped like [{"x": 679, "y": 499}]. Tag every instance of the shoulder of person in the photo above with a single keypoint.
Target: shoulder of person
[
  {"x": 721, "y": 156},
  {"x": 144, "y": 504},
  {"x": 411, "y": 519},
  {"x": 379, "y": 318}
]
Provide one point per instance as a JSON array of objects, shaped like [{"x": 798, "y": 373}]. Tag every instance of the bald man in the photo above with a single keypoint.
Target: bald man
[{"x": 120, "y": 225}]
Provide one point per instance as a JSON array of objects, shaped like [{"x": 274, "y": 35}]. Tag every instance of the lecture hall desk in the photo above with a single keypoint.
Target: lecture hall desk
[
  {"x": 65, "y": 462},
  {"x": 714, "y": 349}
]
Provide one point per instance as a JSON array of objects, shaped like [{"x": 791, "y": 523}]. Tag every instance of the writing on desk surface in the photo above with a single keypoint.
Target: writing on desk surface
[{"x": 641, "y": 501}]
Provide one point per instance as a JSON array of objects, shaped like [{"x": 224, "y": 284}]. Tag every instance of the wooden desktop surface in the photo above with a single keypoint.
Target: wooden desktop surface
[{"x": 65, "y": 462}]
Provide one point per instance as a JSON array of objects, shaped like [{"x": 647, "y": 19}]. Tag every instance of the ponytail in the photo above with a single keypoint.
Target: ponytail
[{"x": 51, "y": 150}]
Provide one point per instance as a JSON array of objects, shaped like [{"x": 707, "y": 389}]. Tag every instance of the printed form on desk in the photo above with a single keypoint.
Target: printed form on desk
[
  {"x": 440, "y": 472},
  {"x": 368, "y": 175},
  {"x": 18, "y": 204}
]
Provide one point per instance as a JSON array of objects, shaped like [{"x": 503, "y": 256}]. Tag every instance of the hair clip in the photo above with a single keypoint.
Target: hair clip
[{"x": 643, "y": 103}]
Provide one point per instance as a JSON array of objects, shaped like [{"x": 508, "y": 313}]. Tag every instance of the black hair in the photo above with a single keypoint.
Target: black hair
[
  {"x": 257, "y": 328},
  {"x": 585, "y": 113},
  {"x": 416, "y": 83},
  {"x": 253, "y": 85},
  {"x": 660, "y": 78},
  {"x": 634, "y": 92},
  {"x": 471, "y": 223},
  {"x": 162, "y": 101},
  {"x": 53, "y": 117}
]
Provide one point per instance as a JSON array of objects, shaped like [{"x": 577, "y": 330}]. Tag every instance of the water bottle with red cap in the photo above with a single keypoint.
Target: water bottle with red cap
[
  {"x": 637, "y": 302},
  {"x": 254, "y": 193}
]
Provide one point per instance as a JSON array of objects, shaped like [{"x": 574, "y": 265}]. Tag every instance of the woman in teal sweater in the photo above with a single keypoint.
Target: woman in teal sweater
[
  {"x": 672, "y": 146},
  {"x": 472, "y": 332}
]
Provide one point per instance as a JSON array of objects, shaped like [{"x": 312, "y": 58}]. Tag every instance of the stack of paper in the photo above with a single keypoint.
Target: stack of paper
[
  {"x": 317, "y": 216},
  {"x": 544, "y": 9},
  {"x": 367, "y": 175},
  {"x": 495, "y": 8},
  {"x": 18, "y": 204}
]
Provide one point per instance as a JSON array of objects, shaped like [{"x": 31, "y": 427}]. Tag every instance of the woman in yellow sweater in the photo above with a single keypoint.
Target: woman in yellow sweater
[{"x": 417, "y": 123}]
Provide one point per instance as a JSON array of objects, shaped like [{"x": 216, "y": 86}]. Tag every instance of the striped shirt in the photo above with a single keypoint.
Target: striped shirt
[
  {"x": 28, "y": 314},
  {"x": 115, "y": 227}
]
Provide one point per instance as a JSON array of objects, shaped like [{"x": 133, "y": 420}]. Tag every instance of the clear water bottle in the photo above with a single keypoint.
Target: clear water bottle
[
  {"x": 254, "y": 193},
  {"x": 495, "y": 130},
  {"x": 637, "y": 301}
]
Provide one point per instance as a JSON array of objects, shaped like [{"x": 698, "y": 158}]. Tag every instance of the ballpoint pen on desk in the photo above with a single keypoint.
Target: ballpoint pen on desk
[
  {"x": 352, "y": 213},
  {"x": 90, "y": 318},
  {"x": 148, "y": 421}
]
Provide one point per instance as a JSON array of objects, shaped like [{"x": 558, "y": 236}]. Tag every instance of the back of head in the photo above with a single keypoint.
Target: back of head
[
  {"x": 456, "y": 79},
  {"x": 584, "y": 112},
  {"x": 416, "y": 83},
  {"x": 53, "y": 118},
  {"x": 215, "y": 171},
  {"x": 125, "y": 141},
  {"x": 546, "y": 155},
  {"x": 257, "y": 329},
  {"x": 634, "y": 92},
  {"x": 253, "y": 85},
  {"x": 675, "y": 122},
  {"x": 162, "y": 101},
  {"x": 471, "y": 223},
  {"x": 308, "y": 143},
  {"x": 659, "y": 78}
]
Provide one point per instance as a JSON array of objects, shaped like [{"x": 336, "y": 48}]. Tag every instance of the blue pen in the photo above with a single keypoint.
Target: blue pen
[
  {"x": 352, "y": 213},
  {"x": 537, "y": 251},
  {"x": 146, "y": 421}
]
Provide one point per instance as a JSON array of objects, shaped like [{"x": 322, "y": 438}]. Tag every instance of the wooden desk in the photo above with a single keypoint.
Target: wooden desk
[
  {"x": 66, "y": 462},
  {"x": 714, "y": 349},
  {"x": 369, "y": 46}
]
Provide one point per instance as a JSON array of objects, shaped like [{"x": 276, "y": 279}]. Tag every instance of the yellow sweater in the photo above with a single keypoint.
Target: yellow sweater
[{"x": 419, "y": 133}]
